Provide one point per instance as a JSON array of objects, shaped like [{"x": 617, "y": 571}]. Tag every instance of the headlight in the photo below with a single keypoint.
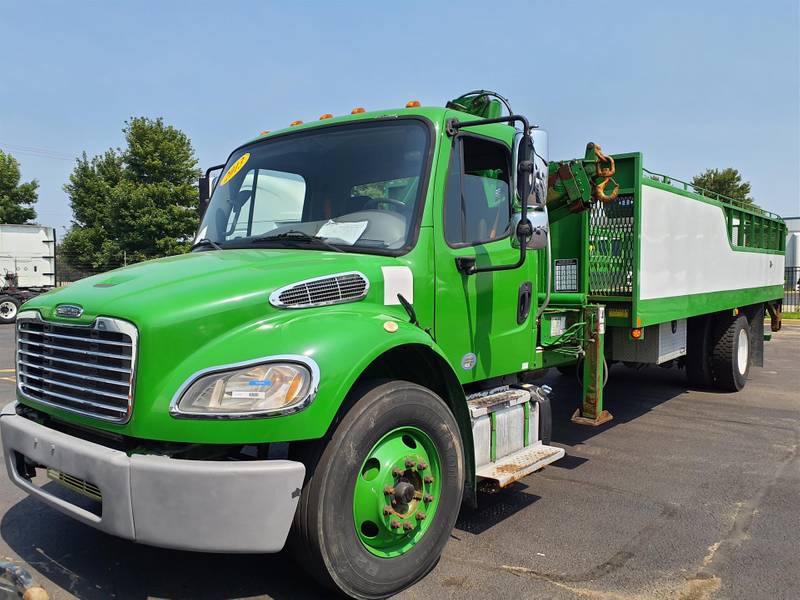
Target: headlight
[{"x": 253, "y": 391}]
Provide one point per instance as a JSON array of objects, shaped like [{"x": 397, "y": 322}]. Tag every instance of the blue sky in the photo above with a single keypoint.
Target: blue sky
[{"x": 693, "y": 85}]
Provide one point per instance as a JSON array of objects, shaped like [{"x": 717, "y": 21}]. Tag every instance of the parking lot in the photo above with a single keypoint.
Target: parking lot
[{"x": 685, "y": 494}]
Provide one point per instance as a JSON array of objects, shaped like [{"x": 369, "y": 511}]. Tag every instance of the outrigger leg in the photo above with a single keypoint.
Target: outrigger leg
[{"x": 594, "y": 369}]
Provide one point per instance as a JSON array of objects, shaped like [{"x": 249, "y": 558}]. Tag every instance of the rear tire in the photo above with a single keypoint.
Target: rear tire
[
  {"x": 9, "y": 307},
  {"x": 698, "y": 354},
  {"x": 730, "y": 356},
  {"x": 345, "y": 482}
]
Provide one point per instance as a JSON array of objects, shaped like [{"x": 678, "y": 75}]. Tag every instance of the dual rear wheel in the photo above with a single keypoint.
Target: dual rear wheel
[{"x": 718, "y": 353}]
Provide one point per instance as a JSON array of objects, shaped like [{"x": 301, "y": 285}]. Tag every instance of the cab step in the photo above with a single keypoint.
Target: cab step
[{"x": 514, "y": 467}]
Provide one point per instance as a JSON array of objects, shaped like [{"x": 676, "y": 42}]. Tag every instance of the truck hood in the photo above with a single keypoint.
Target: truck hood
[{"x": 200, "y": 284}]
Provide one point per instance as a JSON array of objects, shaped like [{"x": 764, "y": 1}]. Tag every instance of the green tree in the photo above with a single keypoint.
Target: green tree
[
  {"x": 16, "y": 199},
  {"x": 135, "y": 203},
  {"x": 727, "y": 182}
]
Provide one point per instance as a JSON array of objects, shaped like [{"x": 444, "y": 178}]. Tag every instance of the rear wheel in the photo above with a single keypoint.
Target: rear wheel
[
  {"x": 698, "y": 352},
  {"x": 730, "y": 357},
  {"x": 8, "y": 309},
  {"x": 383, "y": 493}
]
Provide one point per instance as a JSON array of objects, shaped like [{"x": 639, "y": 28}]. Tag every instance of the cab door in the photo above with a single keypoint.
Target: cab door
[{"x": 483, "y": 322}]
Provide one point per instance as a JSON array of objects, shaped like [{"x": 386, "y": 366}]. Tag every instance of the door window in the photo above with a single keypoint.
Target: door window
[{"x": 477, "y": 206}]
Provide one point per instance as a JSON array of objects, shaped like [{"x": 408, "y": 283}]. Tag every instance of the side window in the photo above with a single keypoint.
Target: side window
[{"x": 477, "y": 206}]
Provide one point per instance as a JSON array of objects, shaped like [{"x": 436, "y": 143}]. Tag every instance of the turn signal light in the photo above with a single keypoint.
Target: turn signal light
[
  {"x": 413, "y": 104},
  {"x": 636, "y": 333},
  {"x": 357, "y": 110},
  {"x": 325, "y": 116},
  {"x": 294, "y": 123}
]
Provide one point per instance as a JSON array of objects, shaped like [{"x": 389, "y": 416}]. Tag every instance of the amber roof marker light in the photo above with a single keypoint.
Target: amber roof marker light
[
  {"x": 357, "y": 110},
  {"x": 325, "y": 116},
  {"x": 413, "y": 104},
  {"x": 295, "y": 123}
]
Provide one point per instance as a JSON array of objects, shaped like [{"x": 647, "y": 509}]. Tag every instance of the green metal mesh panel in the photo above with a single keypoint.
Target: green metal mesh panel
[{"x": 611, "y": 247}]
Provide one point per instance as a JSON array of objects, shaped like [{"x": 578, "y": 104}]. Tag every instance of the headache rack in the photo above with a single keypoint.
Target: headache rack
[{"x": 84, "y": 369}]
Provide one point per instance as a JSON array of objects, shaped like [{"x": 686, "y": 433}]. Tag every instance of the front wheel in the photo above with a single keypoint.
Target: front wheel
[{"x": 382, "y": 494}]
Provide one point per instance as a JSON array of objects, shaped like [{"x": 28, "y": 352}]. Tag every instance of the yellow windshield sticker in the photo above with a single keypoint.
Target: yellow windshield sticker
[{"x": 235, "y": 168}]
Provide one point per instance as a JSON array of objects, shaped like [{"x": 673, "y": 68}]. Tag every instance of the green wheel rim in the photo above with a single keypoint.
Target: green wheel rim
[{"x": 397, "y": 492}]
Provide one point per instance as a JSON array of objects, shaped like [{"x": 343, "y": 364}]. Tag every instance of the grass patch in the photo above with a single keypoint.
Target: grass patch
[{"x": 791, "y": 315}]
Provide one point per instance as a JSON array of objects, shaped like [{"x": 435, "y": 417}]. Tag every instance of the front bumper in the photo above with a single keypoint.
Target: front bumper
[{"x": 208, "y": 506}]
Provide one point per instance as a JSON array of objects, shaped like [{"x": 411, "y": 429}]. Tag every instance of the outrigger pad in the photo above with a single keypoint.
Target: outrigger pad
[{"x": 603, "y": 417}]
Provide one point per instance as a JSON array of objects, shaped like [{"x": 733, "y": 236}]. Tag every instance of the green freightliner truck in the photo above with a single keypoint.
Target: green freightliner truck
[{"x": 350, "y": 349}]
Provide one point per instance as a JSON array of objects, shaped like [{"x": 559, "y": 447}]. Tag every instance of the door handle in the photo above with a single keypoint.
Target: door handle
[{"x": 524, "y": 302}]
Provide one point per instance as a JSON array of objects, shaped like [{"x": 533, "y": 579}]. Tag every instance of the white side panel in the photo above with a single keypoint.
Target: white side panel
[{"x": 685, "y": 250}]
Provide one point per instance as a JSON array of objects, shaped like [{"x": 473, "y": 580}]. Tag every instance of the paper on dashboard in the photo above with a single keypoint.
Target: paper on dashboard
[{"x": 347, "y": 232}]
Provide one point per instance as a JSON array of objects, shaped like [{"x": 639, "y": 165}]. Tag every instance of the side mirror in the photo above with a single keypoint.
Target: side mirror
[
  {"x": 540, "y": 228},
  {"x": 205, "y": 187},
  {"x": 204, "y": 195}
]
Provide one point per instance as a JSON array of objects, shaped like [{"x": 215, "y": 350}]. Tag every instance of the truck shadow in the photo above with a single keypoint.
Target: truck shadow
[
  {"x": 93, "y": 565},
  {"x": 494, "y": 508},
  {"x": 90, "y": 564},
  {"x": 628, "y": 395}
]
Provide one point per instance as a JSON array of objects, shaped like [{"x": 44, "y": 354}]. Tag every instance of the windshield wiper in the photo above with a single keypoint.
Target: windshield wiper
[
  {"x": 294, "y": 235},
  {"x": 204, "y": 243}
]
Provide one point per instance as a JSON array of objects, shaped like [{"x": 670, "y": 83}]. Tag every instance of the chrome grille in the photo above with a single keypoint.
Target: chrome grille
[
  {"x": 322, "y": 291},
  {"x": 84, "y": 369}
]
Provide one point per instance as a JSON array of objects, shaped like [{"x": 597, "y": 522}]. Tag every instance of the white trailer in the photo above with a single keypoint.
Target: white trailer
[{"x": 27, "y": 265}]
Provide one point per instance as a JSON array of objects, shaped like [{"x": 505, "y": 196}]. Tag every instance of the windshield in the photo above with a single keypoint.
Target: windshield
[{"x": 355, "y": 187}]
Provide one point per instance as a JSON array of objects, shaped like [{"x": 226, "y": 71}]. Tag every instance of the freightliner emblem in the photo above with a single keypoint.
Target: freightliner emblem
[{"x": 69, "y": 310}]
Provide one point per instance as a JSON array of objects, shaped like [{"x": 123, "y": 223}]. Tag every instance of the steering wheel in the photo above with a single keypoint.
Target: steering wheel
[{"x": 399, "y": 206}]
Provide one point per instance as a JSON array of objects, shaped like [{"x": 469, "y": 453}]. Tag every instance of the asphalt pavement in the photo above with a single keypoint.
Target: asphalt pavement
[{"x": 685, "y": 494}]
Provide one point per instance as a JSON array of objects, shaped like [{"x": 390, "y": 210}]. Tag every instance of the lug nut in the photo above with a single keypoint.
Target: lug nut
[
  {"x": 397, "y": 472},
  {"x": 422, "y": 466},
  {"x": 410, "y": 463},
  {"x": 387, "y": 510},
  {"x": 395, "y": 524},
  {"x": 388, "y": 490},
  {"x": 420, "y": 516},
  {"x": 408, "y": 526},
  {"x": 427, "y": 498},
  {"x": 428, "y": 479}
]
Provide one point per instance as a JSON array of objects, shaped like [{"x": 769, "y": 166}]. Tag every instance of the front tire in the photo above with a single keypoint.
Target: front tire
[
  {"x": 382, "y": 493},
  {"x": 730, "y": 357}
]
